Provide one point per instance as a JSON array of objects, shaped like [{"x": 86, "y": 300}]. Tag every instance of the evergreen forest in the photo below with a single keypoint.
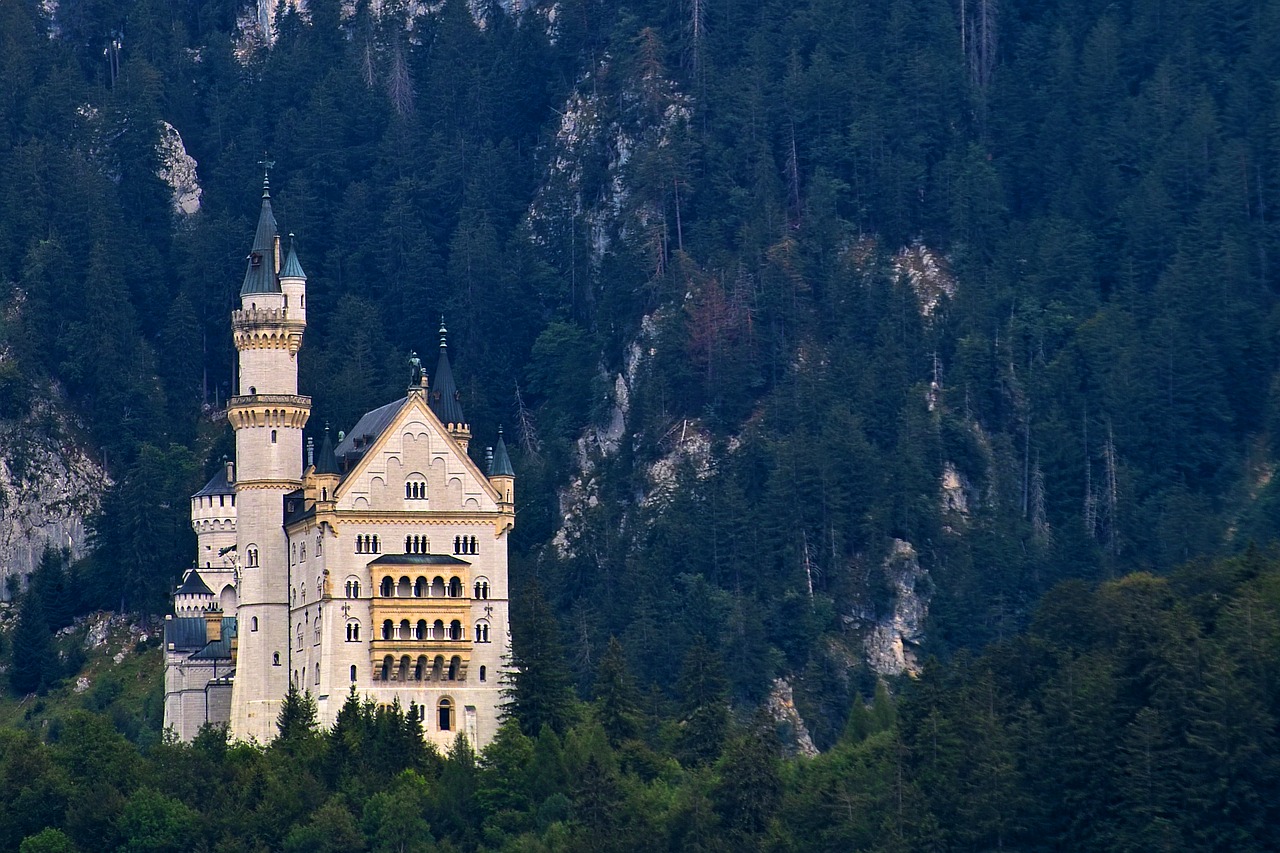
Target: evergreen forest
[{"x": 791, "y": 311}]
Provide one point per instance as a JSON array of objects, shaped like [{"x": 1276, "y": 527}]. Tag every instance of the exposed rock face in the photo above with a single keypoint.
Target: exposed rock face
[
  {"x": 48, "y": 487},
  {"x": 892, "y": 640},
  {"x": 597, "y": 443},
  {"x": 929, "y": 275},
  {"x": 178, "y": 170},
  {"x": 782, "y": 707}
]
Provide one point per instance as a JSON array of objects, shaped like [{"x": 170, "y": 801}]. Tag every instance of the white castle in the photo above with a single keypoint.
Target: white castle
[{"x": 380, "y": 564}]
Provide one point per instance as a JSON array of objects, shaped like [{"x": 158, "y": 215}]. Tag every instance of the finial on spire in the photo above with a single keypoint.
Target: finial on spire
[
  {"x": 443, "y": 333},
  {"x": 267, "y": 166}
]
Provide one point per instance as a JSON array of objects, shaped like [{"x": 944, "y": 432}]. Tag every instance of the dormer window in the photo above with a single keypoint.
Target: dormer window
[{"x": 255, "y": 259}]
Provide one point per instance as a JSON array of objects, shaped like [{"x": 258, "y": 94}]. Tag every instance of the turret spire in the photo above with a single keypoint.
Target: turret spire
[
  {"x": 445, "y": 399},
  {"x": 260, "y": 277},
  {"x": 501, "y": 465}
]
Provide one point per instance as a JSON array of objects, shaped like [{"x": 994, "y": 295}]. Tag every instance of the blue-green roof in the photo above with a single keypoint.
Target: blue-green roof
[
  {"x": 292, "y": 269},
  {"x": 260, "y": 277},
  {"x": 501, "y": 465}
]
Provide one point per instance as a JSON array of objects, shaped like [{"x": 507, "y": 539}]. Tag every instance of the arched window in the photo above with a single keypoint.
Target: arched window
[
  {"x": 387, "y": 587},
  {"x": 482, "y": 673},
  {"x": 275, "y": 658},
  {"x": 445, "y": 713},
  {"x": 405, "y": 629},
  {"x": 437, "y": 630},
  {"x": 353, "y": 673},
  {"x": 386, "y": 629},
  {"x": 317, "y": 632},
  {"x": 482, "y": 632},
  {"x": 299, "y": 636},
  {"x": 273, "y": 436},
  {"x": 317, "y": 673},
  {"x": 420, "y": 630},
  {"x": 420, "y": 587},
  {"x": 376, "y": 547},
  {"x": 404, "y": 589},
  {"x": 455, "y": 630},
  {"x": 455, "y": 587},
  {"x": 253, "y": 624},
  {"x": 455, "y": 663},
  {"x": 437, "y": 587}
]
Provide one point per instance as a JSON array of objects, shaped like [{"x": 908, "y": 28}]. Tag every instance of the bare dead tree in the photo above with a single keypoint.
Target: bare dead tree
[
  {"x": 1112, "y": 491},
  {"x": 525, "y": 425},
  {"x": 400, "y": 84}
]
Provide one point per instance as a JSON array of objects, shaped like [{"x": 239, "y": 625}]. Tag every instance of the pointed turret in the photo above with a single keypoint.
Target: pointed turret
[
  {"x": 503, "y": 478},
  {"x": 264, "y": 257},
  {"x": 501, "y": 465},
  {"x": 291, "y": 268},
  {"x": 326, "y": 461},
  {"x": 445, "y": 400},
  {"x": 293, "y": 283}
]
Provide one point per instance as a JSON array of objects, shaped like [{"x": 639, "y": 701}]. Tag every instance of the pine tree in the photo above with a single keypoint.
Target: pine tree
[
  {"x": 540, "y": 692},
  {"x": 617, "y": 699},
  {"x": 33, "y": 665}
]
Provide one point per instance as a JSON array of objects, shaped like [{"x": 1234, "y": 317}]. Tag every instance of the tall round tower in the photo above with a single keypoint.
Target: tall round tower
[{"x": 268, "y": 415}]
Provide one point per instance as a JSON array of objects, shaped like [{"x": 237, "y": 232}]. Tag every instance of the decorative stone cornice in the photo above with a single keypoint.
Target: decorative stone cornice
[
  {"x": 266, "y": 328},
  {"x": 269, "y": 410},
  {"x": 277, "y": 485}
]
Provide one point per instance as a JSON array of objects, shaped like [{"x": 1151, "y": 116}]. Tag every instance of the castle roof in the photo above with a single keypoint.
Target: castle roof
[
  {"x": 326, "y": 460},
  {"x": 501, "y": 464},
  {"x": 219, "y": 649},
  {"x": 445, "y": 399},
  {"x": 367, "y": 430},
  {"x": 260, "y": 277},
  {"x": 184, "y": 633},
  {"x": 418, "y": 560},
  {"x": 217, "y": 485},
  {"x": 291, "y": 268},
  {"x": 193, "y": 584}
]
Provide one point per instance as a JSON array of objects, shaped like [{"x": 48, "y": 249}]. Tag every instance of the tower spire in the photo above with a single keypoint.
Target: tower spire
[
  {"x": 445, "y": 399},
  {"x": 260, "y": 277}
]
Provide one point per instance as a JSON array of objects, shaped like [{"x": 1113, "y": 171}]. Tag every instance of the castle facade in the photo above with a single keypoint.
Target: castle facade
[{"x": 378, "y": 563}]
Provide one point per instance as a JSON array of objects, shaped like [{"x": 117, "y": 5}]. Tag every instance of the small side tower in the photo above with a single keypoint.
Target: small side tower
[
  {"x": 445, "y": 399},
  {"x": 503, "y": 478},
  {"x": 268, "y": 415}
]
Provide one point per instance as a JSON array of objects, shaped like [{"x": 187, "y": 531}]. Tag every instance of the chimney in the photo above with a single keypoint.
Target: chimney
[
  {"x": 213, "y": 624},
  {"x": 231, "y": 471}
]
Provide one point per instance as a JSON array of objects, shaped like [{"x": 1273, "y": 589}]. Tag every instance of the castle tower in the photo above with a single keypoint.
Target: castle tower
[
  {"x": 446, "y": 401},
  {"x": 268, "y": 416}
]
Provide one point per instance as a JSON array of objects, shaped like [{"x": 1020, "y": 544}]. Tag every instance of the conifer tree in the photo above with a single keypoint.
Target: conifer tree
[{"x": 540, "y": 692}]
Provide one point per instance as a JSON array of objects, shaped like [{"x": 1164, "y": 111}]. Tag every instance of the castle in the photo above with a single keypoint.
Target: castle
[{"x": 379, "y": 563}]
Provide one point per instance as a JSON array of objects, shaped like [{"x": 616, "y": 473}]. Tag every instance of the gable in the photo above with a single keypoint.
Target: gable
[{"x": 413, "y": 455}]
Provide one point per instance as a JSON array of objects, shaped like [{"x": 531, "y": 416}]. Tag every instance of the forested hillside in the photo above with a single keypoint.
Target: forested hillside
[
  {"x": 1139, "y": 715},
  {"x": 807, "y": 319}
]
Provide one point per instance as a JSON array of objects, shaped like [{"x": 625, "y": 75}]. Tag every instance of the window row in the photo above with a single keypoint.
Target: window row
[
  {"x": 466, "y": 545},
  {"x": 366, "y": 544},
  {"x": 251, "y": 557},
  {"x": 422, "y": 669},
  {"x": 222, "y": 500},
  {"x": 415, "y": 490},
  {"x": 315, "y": 634},
  {"x": 421, "y": 630},
  {"x": 421, "y": 588},
  {"x": 298, "y": 675},
  {"x": 417, "y": 545}
]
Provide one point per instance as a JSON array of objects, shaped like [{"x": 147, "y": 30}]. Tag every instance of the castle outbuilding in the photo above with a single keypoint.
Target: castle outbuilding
[{"x": 378, "y": 563}]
